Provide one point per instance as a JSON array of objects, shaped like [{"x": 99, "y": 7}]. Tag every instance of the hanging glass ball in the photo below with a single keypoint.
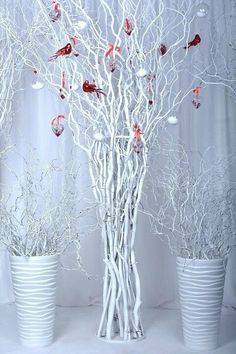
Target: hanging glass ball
[
  {"x": 142, "y": 72},
  {"x": 74, "y": 86},
  {"x": 37, "y": 84},
  {"x": 81, "y": 24},
  {"x": 98, "y": 136},
  {"x": 202, "y": 9},
  {"x": 172, "y": 120}
]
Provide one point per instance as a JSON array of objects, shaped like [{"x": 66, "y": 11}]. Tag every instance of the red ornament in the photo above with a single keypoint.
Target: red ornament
[
  {"x": 197, "y": 91},
  {"x": 137, "y": 132},
  {"x": 137, "y": 137},
  {"x": 163, "y": 49},
  {"x": 56, "y": 13},
  {"x": 128, "y": 27},
  {"x": 111, "y": 49},
  {"x": 57, "y": 127}
]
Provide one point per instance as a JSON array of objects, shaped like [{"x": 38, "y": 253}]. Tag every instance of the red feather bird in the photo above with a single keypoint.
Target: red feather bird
[
  {"x": 196, "y": 40},
  {"x": 87, "y": 87},
  {"x": 61, "y": 52}
]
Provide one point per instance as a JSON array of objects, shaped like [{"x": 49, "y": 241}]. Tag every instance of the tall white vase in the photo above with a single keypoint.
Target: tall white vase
[
  {"x": 201, "y": 288},
  {"x": 34, "y": 283}
]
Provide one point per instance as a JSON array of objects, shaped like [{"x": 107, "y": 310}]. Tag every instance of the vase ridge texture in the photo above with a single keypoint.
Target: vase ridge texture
[
  {"x": 34, "y": 283},
  {"x": 201, "y": 288}
]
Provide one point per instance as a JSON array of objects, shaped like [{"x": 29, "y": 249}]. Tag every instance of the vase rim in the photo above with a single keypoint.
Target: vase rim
[
  {"x": 198, "y": 261},
  {"x": 201, "y": 259},
  {"x": 35, "y": 257}
]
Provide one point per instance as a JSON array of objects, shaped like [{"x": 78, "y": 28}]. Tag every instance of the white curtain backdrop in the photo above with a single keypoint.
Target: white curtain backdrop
[{"x": 213, "y": 124}]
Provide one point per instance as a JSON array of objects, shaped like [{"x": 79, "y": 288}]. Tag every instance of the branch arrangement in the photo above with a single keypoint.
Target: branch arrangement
[
  {"x": 40, "y": 210},
  {"x": 119, "y": 70},
  {"x": 195, "y": 206}
]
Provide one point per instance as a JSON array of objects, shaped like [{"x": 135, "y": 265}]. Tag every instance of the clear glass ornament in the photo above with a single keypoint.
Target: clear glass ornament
[
  {"x": 37, "y": 84},
  {"x": 142, "y": 72},
  {"x": 172, "y": 120},
  {"x": 202, "y": 9},
  {"x": 74, "y": 86},
  {"x": 98, "y": 136},
  {"x": 82, "y": 24}
]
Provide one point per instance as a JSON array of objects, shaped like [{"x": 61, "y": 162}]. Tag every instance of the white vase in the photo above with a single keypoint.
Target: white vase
[
  {"x": 34, "y": 283},
  {"x": 201, "y": 288}
]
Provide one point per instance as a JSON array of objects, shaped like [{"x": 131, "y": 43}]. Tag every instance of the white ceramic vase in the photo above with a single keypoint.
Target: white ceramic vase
[
  {"x": 201, "y": 288},
  {"x": 34, "y": 283}
]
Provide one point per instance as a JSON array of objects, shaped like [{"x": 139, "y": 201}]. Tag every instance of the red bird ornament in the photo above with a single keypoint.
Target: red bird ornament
[
  {"x": 61, "y": 52},
  {"x": 92, "y": 87},
  {"x": 196, "y": 40}
]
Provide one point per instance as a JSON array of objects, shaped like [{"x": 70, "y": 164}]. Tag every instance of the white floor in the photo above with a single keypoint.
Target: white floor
[{"x": 76, "y": 328}]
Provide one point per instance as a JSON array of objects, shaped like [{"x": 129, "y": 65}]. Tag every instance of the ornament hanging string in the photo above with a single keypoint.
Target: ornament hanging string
[{"x": 128, "y": 27}]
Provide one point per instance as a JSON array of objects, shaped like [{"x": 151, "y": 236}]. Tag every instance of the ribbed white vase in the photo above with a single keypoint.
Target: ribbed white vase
[
  {"x": 34, "y": 283},
  {"x": 201, "y": 288}
]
